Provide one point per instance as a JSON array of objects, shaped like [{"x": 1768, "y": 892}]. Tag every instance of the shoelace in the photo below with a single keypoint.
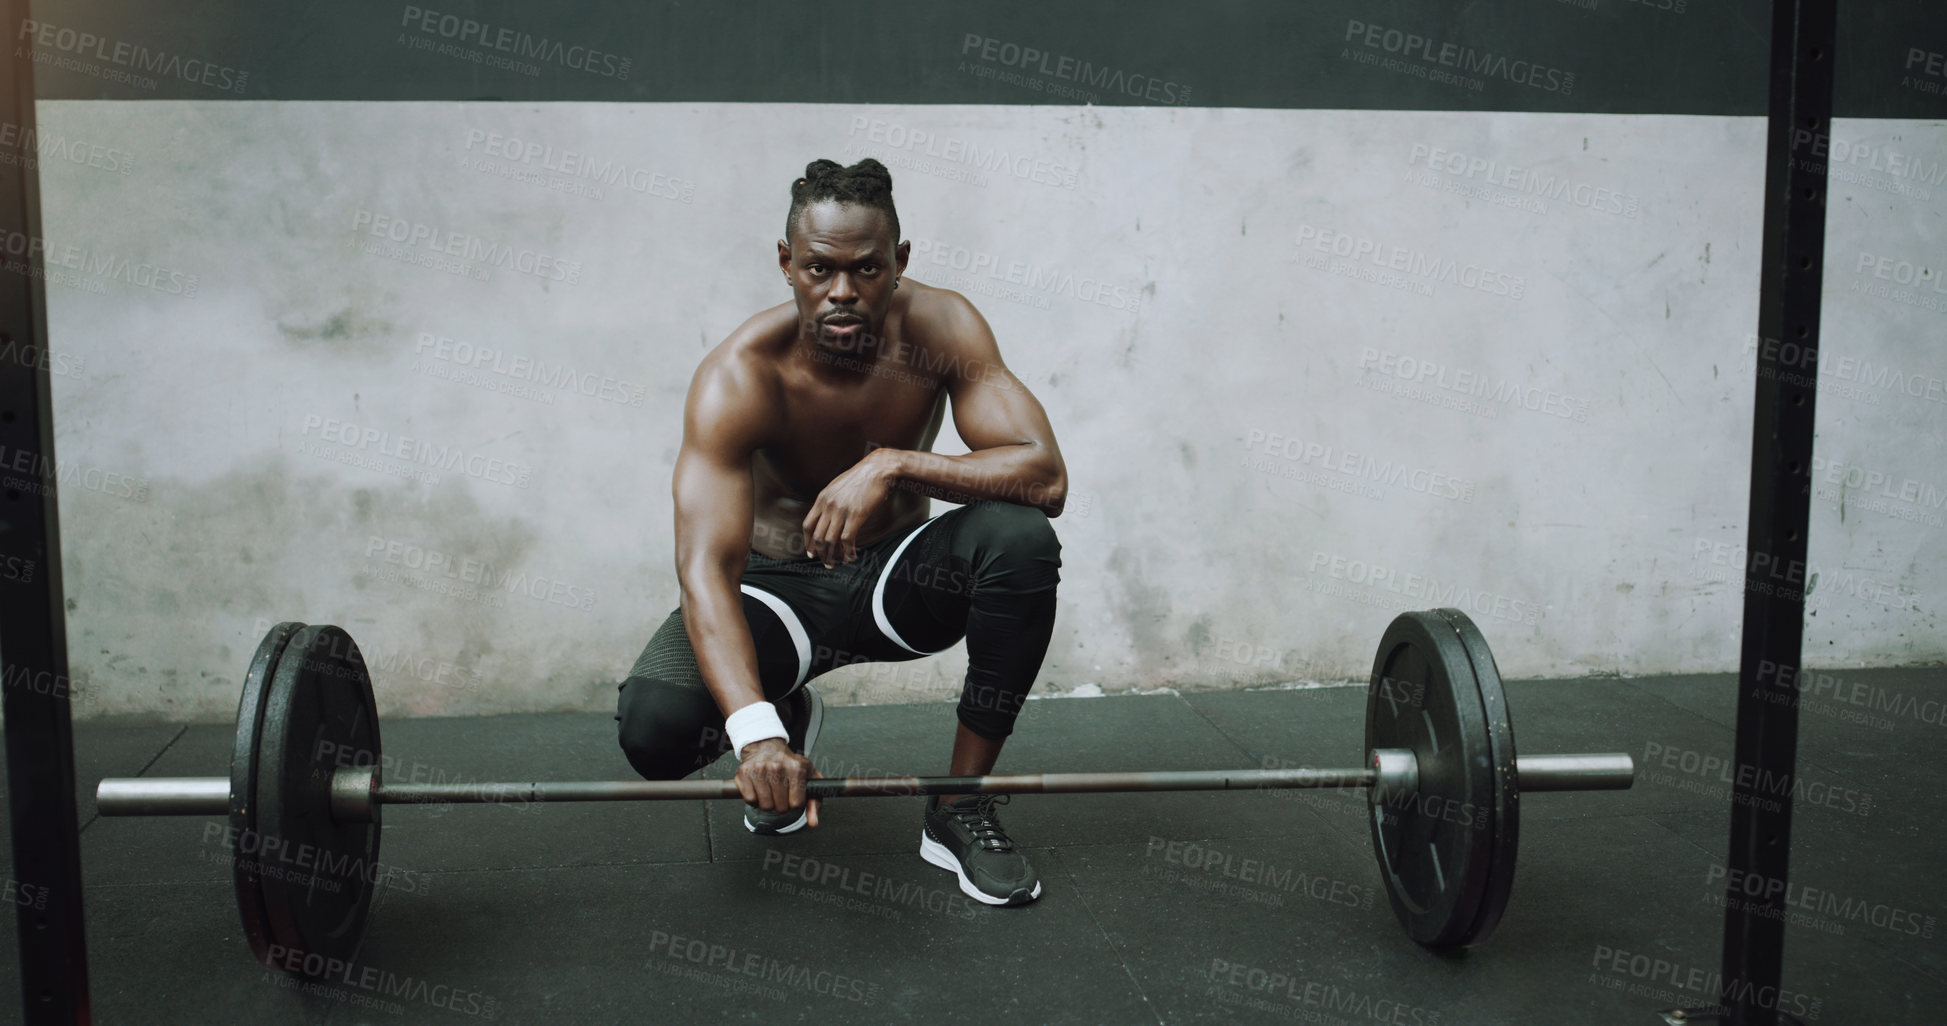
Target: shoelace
[{"x": 983, "y": 824}]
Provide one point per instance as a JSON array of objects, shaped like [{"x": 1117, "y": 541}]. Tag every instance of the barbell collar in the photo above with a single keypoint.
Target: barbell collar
[
  {"x": 164, "y": 796},
  {"x": 353, "y": 793},
  {"x": 1596, "y": 771},
  {"x": 1396, "y": 773}
]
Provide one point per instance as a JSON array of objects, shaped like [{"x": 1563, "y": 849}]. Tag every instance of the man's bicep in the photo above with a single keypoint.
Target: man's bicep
[
  {"x": 712, "y": 485},
  {"x": 713, "y": 508}
]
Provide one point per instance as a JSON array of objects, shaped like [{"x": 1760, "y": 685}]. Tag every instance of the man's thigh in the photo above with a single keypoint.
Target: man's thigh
[{"x": 669, "y": 657}]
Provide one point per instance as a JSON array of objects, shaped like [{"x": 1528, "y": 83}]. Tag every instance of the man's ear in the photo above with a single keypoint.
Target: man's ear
[
  {"x": 784, "y": 257},
  {"x": 900, "y": 254}
]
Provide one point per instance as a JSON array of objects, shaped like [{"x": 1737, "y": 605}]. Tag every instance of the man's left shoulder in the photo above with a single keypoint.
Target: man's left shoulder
[{"x": 943, "y": 317}]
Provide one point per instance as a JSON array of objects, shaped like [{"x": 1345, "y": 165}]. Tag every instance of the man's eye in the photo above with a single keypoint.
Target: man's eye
[
  {"x": 869, "y": 269},
  {"x": 815, "y": 268}
]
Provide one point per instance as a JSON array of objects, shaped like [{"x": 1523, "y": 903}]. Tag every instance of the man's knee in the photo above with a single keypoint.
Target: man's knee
[
  {"x": 666, "y": 729},
  {"x": 1016, "y": 530},
  {"x": 990, "y": 712}
]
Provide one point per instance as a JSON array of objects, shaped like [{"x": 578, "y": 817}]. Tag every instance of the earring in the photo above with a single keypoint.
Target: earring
[{"x": 895, "y": 283}]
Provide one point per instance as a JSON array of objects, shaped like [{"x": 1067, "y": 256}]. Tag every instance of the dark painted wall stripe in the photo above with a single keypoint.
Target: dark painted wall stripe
[{"x": 1598, "y": 56}]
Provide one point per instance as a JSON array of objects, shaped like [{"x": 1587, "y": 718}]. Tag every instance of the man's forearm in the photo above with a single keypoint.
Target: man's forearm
[
  {"x": 713, "y": 616},
  {"x": 1027, "y": 474}
]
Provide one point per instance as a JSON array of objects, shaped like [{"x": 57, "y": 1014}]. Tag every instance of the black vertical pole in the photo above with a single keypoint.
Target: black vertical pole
[
  {"x": 33, "y": 628},
  {"x": 1802, "y": 34}
]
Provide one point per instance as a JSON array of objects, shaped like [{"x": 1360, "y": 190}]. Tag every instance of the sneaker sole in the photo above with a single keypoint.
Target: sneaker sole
[
  {"x": 937, "y": 854},
  {"x": 796, "y": 824}
]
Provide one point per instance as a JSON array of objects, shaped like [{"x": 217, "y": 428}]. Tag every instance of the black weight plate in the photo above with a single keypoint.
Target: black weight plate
[
  {"x": 1435, "y": 847},
  {"x": 1507, "y": 790},
  {"x": 244, "y": 763},
  {"x": 320, "y": 717}
]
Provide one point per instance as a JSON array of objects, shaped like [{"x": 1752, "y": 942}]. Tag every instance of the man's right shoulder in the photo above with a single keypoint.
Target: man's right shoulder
[
  {"x": 738, "y": 380},
  {"x": 752, "y": 351},
  {"x": 765, "y": 335}
]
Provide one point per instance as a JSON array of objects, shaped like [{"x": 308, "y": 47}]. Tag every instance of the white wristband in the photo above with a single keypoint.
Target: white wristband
[{"x": 753, "y": 723}]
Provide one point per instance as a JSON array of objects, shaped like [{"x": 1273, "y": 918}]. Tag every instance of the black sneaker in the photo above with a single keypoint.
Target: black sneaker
[
  {"x": 967, "y": 838},
  {"x": 803, "y": 713}
]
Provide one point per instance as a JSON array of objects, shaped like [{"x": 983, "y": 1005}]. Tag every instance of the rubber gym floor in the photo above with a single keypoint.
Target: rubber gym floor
[{"x": 1157, "y": 908}]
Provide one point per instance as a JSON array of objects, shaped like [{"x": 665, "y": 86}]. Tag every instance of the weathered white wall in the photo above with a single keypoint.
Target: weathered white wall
[{"x": 1226, "y": 391}]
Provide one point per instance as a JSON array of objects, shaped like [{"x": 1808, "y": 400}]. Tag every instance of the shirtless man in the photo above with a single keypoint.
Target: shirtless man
[{"x": 802, "y": 533}]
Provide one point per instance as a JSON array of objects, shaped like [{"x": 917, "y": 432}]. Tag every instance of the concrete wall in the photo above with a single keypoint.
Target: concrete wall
[{"x": 1308, "y": 367}]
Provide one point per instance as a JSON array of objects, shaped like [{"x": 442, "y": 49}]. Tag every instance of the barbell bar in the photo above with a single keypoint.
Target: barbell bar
[
  {"x": 355, "y": 789},
  {"x": 1442, "y": 778}
]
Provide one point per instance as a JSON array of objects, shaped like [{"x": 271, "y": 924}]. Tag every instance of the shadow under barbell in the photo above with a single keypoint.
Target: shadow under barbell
[{"x": 210, "y": 796}]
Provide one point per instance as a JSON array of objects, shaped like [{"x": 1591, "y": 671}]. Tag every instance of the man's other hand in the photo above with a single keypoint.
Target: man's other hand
[{"x": 831, "y": 529}]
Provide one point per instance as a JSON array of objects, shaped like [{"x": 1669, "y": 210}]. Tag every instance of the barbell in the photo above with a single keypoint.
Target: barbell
[{"x": 1442, "y": 777}]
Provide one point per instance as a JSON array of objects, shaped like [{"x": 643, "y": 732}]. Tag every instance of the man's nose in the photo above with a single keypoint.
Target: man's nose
[{"x": 843, "y": 289}]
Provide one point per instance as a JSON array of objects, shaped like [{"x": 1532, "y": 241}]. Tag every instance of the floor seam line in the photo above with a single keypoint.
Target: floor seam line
[
  {"x": 157, "y": 757},
  {"x": 1225, "y": 734},
  {"x": 1114, "y": 948}
]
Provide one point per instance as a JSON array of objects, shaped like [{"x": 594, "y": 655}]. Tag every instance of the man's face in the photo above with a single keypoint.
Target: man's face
[{"x": 841, "y": 262}]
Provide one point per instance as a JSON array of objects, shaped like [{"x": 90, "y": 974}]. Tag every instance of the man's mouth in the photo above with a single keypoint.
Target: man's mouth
[{"x": 844, "y": 325}]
